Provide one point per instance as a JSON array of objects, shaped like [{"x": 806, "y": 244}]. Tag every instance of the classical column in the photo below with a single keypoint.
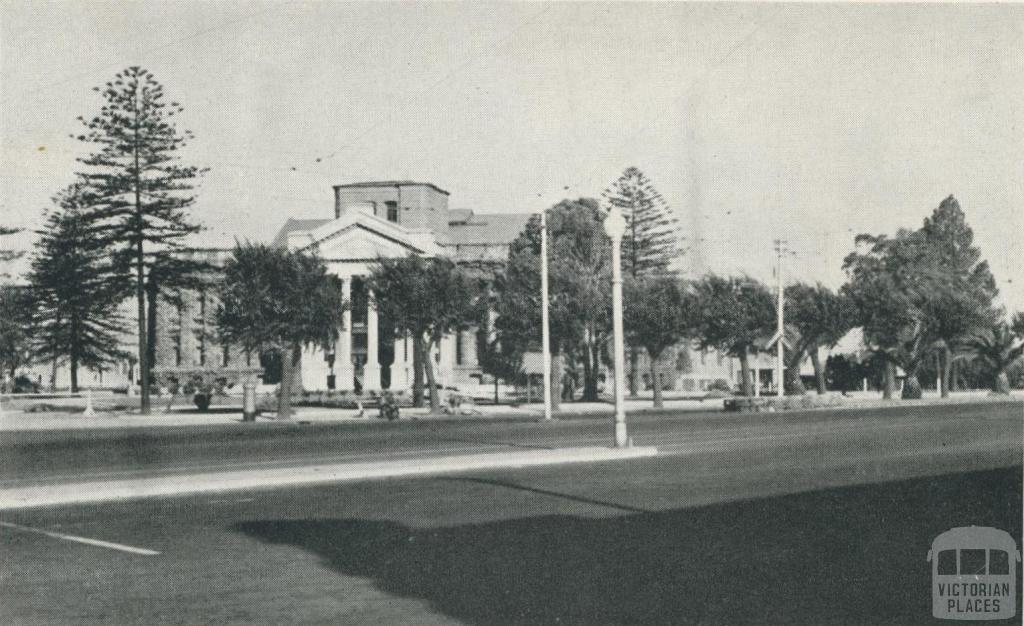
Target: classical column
[
  {"x": 344, "y": 373},
  {"x": 371, "y": 371},
  {"x": 446, "y": 367},
  {"x": 313, "y": 369},
  {"x": 399, "y": 367}
]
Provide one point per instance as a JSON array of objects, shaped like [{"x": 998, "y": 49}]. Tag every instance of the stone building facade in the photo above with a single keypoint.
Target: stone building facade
[{"x": 370, "y": 220}]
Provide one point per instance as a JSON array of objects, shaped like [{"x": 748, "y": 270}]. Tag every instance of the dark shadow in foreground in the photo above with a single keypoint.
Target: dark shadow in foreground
[{"x": 844, "y": 555}]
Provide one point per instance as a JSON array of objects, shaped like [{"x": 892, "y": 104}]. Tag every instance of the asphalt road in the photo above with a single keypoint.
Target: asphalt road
[
  {"x": 800, "y": 518},
  {"x": 49, "y": 456}
]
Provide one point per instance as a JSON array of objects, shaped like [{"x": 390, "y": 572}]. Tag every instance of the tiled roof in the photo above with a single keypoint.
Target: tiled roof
[
  {"x": 295, "y": 225},
  {"x": 465, "y": 228},
  {"x": 459, "y": 216},
  {"x": 491, "y": 228}
]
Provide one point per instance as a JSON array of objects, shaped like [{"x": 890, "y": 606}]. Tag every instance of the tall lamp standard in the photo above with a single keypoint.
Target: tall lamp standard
[
  {"x": 544, "y": 324},
  {"x": 615, "y": 227}
]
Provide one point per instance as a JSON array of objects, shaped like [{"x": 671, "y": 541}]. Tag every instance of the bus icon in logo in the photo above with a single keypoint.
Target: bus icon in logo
[{"x": 974, "y": 574}]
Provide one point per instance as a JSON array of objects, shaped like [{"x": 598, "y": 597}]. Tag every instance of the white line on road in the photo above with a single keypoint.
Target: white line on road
[{"x": 85, "y": 540}]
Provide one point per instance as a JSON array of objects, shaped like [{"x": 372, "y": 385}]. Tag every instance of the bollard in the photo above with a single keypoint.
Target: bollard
[{"x": 249, "y": 402}]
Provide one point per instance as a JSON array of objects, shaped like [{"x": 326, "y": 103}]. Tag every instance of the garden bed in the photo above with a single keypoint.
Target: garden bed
[{"x": 771, "y": 404}]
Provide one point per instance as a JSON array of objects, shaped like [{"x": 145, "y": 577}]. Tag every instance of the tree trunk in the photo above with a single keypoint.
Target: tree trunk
[
  {"x": 659, "y": 402},
  {"x": 954, "y": 383},
  {"x": 151, "y": 295},
  {"x": 556, "y": 382},
  {"x": 140, "y": 297},
  {"x": 634, "y": 358},
  {"x": 819, "y": 373},
  {"x": 793, "y": 385},
  {"x": 911, "y": 387},
  {"x": 417, "y": 370},
  {"x": 428, "y": 367},
  {"x": 947, "y": 362},
  {"x": 284, "y": 401},
  {"x": 1001, "y": 384},
  {"x": 591, "y": 373},
  {"x": 889, "y": 388},
  {"x": 746, "y": 385},
  {"x": 73, "y": 352}
]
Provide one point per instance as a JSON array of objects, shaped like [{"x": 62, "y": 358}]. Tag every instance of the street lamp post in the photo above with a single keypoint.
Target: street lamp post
[
  {"x": 615, "y": 226},
  {"x": 545, "y": 326}
]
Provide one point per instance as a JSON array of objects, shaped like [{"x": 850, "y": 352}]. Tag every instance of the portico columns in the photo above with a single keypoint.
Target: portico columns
[
  {"x": 371, "y": 371},
  {"x": 400, "y": 366},
  {"x": 344, "y": 373}
]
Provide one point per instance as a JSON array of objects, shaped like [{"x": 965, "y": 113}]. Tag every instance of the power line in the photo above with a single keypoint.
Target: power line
[
  {"x": 351, "y": 143},
  {"x": 148, "y": 51}
]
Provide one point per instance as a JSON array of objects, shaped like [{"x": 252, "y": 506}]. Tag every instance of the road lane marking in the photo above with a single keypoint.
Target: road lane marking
[{"x": 85, "y": 540}]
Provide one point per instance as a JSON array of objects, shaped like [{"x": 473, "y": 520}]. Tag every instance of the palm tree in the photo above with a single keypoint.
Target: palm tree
[{"x": 998, "y": 348}]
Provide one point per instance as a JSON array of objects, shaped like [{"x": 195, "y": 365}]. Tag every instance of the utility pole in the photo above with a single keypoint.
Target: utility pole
[
  {"x": 544, "y": 325},
  {"x": 780, "y": 387}
]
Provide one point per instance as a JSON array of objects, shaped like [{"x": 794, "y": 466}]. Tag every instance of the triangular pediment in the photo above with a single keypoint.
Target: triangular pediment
[{"x": 362, "y": 237}]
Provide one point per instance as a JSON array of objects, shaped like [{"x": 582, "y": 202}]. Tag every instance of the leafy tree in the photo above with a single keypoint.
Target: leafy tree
[
  {"x": 425, "y": 299},
  {"x": 845, "y": 373},
  {"x": 658, "y": 314},
  {"x": 962, "y": 300},
  {"x": 15, "y": 329},
  {"x": 76, "y": 289},
  {"x": 1017, "y": 324},
  {"x": 735, "y": 313},
  {"x": 890, "y": 280},
  {"x": 922, "y": 291},
  {"x": 141, "y": 191},
  {"x": 816, "y": 317},
  {"x": 579, "y": 297},
  {"x": 649, "y": 244},
  {"x": 504, "y": 362},
  {"x": 275, "y": 300},
  {"x": 997, "y": 348}
]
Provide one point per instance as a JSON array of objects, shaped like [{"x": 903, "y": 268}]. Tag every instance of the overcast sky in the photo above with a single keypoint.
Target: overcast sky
[{"x": 808, "y": 122}]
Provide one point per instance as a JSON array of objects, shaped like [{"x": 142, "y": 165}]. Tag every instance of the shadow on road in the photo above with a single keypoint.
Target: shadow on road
[{"x": 844, "y": 555}]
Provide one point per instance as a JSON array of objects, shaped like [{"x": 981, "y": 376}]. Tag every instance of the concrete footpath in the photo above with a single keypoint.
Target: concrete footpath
[
  {"x": 17, "y": 419},
  {"x": 66, "y": 493},
  {"x": 186, "y": 415}
]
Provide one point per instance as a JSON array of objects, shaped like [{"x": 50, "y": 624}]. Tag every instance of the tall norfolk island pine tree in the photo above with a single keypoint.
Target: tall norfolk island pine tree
[
  {"x": 75, "y": 290},
  {"x": 649, "y": 244},
  {"x": 140, "y": 192}
]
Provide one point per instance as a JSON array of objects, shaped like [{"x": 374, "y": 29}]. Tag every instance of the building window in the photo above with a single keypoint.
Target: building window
[
  {"x": 458, "y": 348},
  {"x": 392, "y": 211},
  {"x": 225, "y": 355}
]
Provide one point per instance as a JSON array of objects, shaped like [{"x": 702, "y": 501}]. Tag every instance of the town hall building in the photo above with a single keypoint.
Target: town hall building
[
  {"x": 372, "y": 220},
  {"x": 392, "y": 219}
]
